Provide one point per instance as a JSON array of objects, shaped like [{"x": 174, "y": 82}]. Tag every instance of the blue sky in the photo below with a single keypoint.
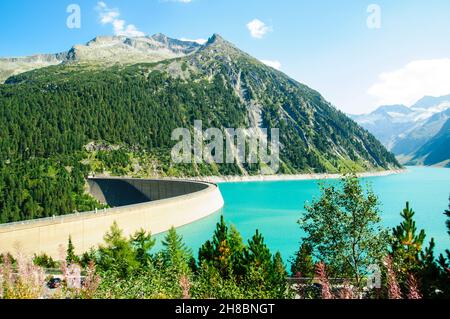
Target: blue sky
[{"x": 325, "y": 44}]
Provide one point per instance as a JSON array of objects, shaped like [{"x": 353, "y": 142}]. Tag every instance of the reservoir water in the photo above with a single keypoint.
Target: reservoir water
[{"x": 275, "y": 207}]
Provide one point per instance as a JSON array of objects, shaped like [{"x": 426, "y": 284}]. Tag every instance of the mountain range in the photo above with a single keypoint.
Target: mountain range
[
  {"x": 409, "y": 131},
  {"x": 315, "y": 136},
  {"x": 110, "y": 107},
  {"x": 104, "y": 50},
  {"x": 436, "y": 149}
]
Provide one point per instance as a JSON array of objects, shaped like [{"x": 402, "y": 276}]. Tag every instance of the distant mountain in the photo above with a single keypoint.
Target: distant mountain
[
  {"x": 412, "y": 139},
  {"x": 405, "y": 130},
  {"x": 430, "y": 101},
  {"x": 386, "y": 123},
  {"x": 435, "y": 151},
  {"x": 106, "y": 50},
  {"x": 391, "y": 110}
]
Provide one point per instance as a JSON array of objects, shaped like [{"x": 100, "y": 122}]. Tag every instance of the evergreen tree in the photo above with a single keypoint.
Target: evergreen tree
[
  {"x": 407, "y": 244},
  {"x": 224, "y": 252},
  {"x": 302, "y": 265},
  {"x": 71, "y": 257},
  {"x": 279, "y": 276},
  {"x": 117, "y": 254},
  {"x": 444, "y": 261},
  {"x": 142, "y": 244},
  {"x": 176, "y": 255},
  {"x": 257, "y": 258},
  {"x": 88, "y": 258},
  {"x": 428, "y": 273},
  {"x": 264, "y": 273},
  {"x": 44, "y": 261},
  {"x": 237, "y": 248},
  {"x": 257, "y": 253},
  {"x": 412, "y": 259}
]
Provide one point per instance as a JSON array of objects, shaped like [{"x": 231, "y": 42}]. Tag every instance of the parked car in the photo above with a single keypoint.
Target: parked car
[{"x": 54, "y": 283}]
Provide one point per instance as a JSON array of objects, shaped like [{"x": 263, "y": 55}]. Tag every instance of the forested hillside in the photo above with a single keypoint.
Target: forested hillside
[{"x": 49, "y": 116}]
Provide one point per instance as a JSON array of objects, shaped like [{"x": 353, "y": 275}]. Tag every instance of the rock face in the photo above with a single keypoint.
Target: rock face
[{"x": 106, "y": 50}]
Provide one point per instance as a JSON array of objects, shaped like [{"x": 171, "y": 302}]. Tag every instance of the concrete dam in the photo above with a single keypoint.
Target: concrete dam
[{"x": 149, "y": 204}]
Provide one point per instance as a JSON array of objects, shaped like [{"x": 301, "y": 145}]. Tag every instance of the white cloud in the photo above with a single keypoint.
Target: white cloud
[
  {"x": 272, "y": 63},
  {"x": 112, "y": 16},
  {"x": 412, "y": 82},
  {"x": 199, "y": 41},
  {"x": 258, "y": 29}
]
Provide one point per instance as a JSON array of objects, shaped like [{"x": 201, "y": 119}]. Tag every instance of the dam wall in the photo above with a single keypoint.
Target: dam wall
[{"x": 152, "y": 205}]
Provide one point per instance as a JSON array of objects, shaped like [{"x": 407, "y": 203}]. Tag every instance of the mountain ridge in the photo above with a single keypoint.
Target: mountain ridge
[
  {"x": 116, "y": 49},
  {"x": 405, "y": 130},
  {"x": 435, "y": 151}
]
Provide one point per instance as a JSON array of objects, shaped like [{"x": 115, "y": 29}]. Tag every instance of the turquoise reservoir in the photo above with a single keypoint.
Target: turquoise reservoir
[{"x": 275, "y": 207}]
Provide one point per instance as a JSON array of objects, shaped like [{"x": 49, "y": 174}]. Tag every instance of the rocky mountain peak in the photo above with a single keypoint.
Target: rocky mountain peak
[
  {"x": 160, "y": 37},
  {"x": 217, "y": 41},
  {"x": 111, "y": 49},
  {"x": 431, "y": 101},
  {"x": 215, "y": 38}
]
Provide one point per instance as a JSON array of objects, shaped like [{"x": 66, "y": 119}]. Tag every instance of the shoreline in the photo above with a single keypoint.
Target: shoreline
[{"x": 293, "y": 177}]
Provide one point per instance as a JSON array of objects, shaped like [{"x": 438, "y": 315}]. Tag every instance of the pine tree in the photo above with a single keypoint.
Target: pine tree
[
  {"x": 428, "y": 273},
  {"x": 278, "y": 276},
  {"x": 71, "y": 258},
  {"x": 237, "y": 249},
  {"x": 409, "y": 257},
  {"x": 206, "y": 253},
  {"x": 224, "y": 252},
  {"x": 444, "y": 261},
  {"x": 447, "y": 213},
  {"x": 117, "y": 254},
  {"x": 258, "y": 266},
  {"x": 142, "y": 244},
  {"x": 257, "y": 255},
  {"x": 407, "y": 244},
  {"x": 302, "y": 265},
  {"x": 43, "y": 260},
  {"x": 176, "y": 255}
]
